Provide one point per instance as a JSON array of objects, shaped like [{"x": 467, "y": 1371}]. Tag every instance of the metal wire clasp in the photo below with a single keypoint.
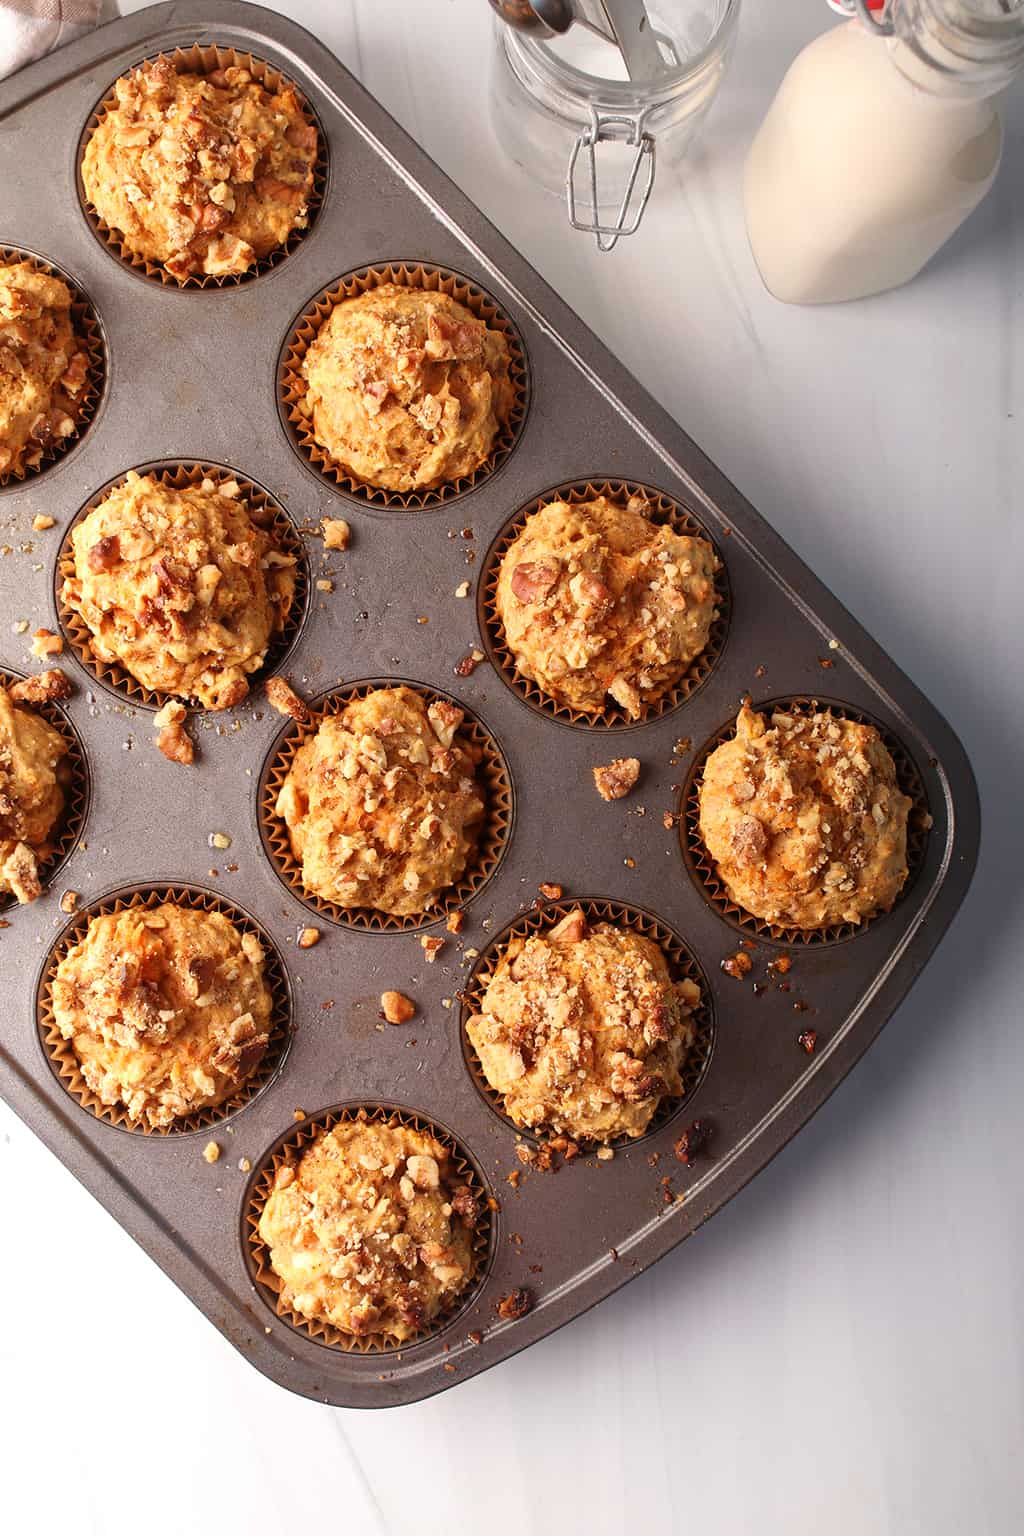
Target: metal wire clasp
[
  {"x": 879, "y": 21},
  {"x": 623, "y": 130}
]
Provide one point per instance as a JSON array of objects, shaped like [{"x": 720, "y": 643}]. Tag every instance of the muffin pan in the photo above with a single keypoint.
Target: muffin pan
[{"x": 194, "y": 378}]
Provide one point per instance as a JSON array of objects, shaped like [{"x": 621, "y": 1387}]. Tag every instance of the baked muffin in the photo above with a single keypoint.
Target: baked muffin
[
  {"x": 202, "y": 173},
  {"x": 582, "y": 1030},
  {"x": 595, "y": 599},
  {"x": 804, "y": 819},
  {"x": 382, "y": 805},
  {"x": 44, "y": 366},
  {"x": 180, "y": 587},
  {"x": 166, "y": 1009},
  {"x": 371, "y": 1231},
  {"x": 406, "y": 388},
  {"x": 32, "y": 754}
]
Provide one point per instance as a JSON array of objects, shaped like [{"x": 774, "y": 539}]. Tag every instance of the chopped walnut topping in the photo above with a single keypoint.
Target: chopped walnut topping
[
  {"x": 396, "y": 1007},
  {"x": 336, "y": 531},
  {"x": 571, "y": 929},
  {"x": 46, "y": 686},
  {"x": 515, "y": 1305},
  {"x": 282, "y": 697},
  {"x": 46, "y": 643},
  {"x": 104, "y": 554},
  {"x": 176, "y": 744},
  {"x": 617, "y": 778},
  {"x": 21, "y": 873},
  {"x": 534, "y": 579},
  {"x": 432, "y": 947}
]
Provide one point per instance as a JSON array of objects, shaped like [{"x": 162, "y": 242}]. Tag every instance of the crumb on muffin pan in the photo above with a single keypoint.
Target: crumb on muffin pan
[{"x": 390, "y": 910}]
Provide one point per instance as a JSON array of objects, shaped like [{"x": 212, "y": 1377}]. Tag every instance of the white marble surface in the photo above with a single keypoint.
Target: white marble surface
[{"x": 839, "y": 1352}]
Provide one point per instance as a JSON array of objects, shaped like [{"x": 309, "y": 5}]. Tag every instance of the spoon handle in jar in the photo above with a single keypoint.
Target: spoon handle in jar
[{"x": 628, "y": 22}]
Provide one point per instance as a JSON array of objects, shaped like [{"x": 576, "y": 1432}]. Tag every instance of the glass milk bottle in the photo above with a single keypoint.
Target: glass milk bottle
[{"x": 885, "y": 134}]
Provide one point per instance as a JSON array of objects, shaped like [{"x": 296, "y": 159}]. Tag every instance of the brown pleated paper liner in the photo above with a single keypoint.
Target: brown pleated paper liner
[
  {"x": 492, "y": 775},
  {"x": 662, "y": 509},
  {"x": 86, "y": 325},
  {"x": 202, "y": 60},
  {"x": 704, "y": 871},
  {"x": 73, "y": 776},
  {"x": 292, "y": 385},
  {"x": 290, "y": 1149},
  {"x": 623, "y": 915},
  {"x": 61, "y": 1053},
  {"x": 266, "y": 511}
]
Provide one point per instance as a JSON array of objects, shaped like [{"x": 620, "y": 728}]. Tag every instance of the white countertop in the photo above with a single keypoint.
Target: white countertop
[{"x": 838, "y": 1352}]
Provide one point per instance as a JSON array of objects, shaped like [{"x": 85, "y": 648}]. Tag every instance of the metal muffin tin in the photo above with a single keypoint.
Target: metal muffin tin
[{"x": 192, "y": 378}]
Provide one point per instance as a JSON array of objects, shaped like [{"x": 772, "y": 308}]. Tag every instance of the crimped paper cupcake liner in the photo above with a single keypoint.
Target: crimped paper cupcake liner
[
  {"x": 87, "y": 328},
  {"x": 267, "y": 512},
  {"x": 202, "y": 60},
  {"x": 663, "y": 509},
  {"x": 702, "y": 867},
  {"x": 292, "y": 386},
  {"x": 60, "y": 1053},
  {"x": 624, "y": 915},
  {"x": 74, "y": 779},
  {"x": 493, "y": 775},
  {"x": 289, "y": 1148}
]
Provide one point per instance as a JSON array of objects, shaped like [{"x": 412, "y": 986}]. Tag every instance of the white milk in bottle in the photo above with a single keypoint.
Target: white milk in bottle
[{"x": 878, "y": 146}]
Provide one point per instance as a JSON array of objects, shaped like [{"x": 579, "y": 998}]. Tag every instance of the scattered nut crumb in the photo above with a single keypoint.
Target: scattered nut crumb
[
  {"x": 336, "y": 532},
  {"x": 605, "y": 1154},
  {"x": 324, "y": 585},
  {"x": 219, "y": 840},
  {"x": 738, "y": 965},
  {"x": 468, "y": 664},
  {"x": 211, "y": 1152},
  {"x": 432, "y": 947},
  {"x": 46, "y": 643},
  {"x": 515, "y": 1305},
  {"x": 462, "y": 590},
  {"x": 308, "y": 937},
  {"x": 69, "y": 901},
  {"x": 172, "y": 713},
  {"x": 808, "y": 1040},
  {"x": 550, "y": 891},
  {"x": 456, "y": 922},
  {"x": 669, "y": 820},
  {"x": 298, "y": 1114},
  {"x": 692, "y": 1142},
  {"x": 781, "y": 965},
  {"x": 617, "y": 778},
  {"x": 41, "y": 522},
  {"x": 513, "y": 1178},
  {"x": 282, "y": 697},
  {"x": 245, "y": 1164},
  {"x": 396, "y": 1008}
]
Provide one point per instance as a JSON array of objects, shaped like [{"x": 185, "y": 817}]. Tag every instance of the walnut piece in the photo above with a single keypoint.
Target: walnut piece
[
  {"x": 337, "y": 532},
  {"x": 308, "y": 937},
  {"x": 46, "y": 643},
  {"x": 22, "y": 873},
  {"x": 616, "y": 779},
  {"x": 396, "y": 1008},
  {"x": 285, "y": 700},
  {"x": 515, "y": 1305},
  {"x": 43, "y": 688},
  {"x": 176, "y": 744}
]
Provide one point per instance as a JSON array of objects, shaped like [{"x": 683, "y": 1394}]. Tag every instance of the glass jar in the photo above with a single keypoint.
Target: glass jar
[{"x": 566, "y": 111}]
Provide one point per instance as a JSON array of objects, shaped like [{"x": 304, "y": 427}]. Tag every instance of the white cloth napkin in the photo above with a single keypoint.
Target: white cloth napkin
[{"x": 30, "y": 28}]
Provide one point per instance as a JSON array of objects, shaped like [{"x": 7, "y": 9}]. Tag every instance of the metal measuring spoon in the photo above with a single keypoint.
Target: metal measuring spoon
[{"x": 624, "y": 23}]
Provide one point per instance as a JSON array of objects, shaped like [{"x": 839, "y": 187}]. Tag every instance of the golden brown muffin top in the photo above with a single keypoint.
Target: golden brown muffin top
[
  {"x": 804, "y": 819},
  {"x": 582, "y": 1029},
  {"x": 597, "y": 599},
  {"x": 43, "y": 365},
  {"x": 180, "y": 587},
  {"x": 166, "y": 1007},
  {"x": 31, "y": 798},
  {"x": 371, "y": 1230},
  {"x": 203, "y": 173},
  {"x": 382, "y": 804},
  {"x": 406, "y": 388}
]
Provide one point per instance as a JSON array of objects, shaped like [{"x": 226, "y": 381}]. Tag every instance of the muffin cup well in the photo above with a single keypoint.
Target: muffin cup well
[
  {"x": 702, "y": 867},
  {"x": 289, "y": 1148},
  {"x": 292, "y": 386},
  {"x": 202, "y": 60},
  {"x": 492, "y": 774},
  {"x": 267, "y": 512},
  {"x": 87, "y": 329},
  {"x": 60, "y": 1053},
  {"x": 681, "y": 964},
  {"x": 74, "y": 780},
  {"x": 663, "y": 509}
]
